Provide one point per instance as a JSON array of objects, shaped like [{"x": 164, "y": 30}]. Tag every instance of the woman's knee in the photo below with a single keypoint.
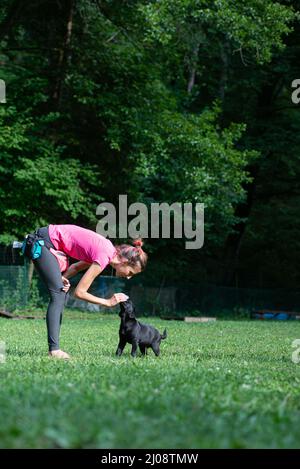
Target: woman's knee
[{"x": 57, "y": 294}]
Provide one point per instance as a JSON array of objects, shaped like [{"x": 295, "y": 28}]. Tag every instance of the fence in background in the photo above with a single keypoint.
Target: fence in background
[
  {"x": 173, "y": 300},
  {"x": 20, "y": 287},
  {"x": 14, "y": 287}
]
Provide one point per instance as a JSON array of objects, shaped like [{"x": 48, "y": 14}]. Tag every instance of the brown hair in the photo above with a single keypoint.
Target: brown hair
[{"x": 134, "y": 254}]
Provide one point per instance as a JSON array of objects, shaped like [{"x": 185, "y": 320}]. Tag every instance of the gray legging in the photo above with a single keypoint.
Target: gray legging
[{"x": 48, "y": 269}]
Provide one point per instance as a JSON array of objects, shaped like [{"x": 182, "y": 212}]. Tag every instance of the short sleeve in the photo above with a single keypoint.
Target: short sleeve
[{"x": 104, "y": 252}]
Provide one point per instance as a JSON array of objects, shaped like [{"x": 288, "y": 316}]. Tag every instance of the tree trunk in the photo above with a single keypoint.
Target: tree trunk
[
  {"x": 64, "y": 56},
  {"x": 224, "y": 54},
  {"x": 193, "y": 65},
  {"x": 234, "y": 241},
  {"x": 30, "y": 273},
  {"x": 266, "y": 99}
]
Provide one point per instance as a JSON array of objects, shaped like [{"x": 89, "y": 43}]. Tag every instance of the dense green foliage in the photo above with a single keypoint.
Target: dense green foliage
[
  {"x": 171, "y": 100},
  {"x": 229, "y": 384}
]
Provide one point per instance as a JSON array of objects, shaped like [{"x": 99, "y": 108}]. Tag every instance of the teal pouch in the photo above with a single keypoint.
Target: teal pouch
[
  {"x": 32, "y": 247},
  {"x": 36, "y": 249}
]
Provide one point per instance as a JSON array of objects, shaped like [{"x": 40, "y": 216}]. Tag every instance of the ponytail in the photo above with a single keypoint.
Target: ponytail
[{"x": 133, "y": 253}]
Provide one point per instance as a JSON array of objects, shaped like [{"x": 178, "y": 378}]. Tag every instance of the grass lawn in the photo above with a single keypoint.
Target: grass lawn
[{"x": 228, "y": 384}]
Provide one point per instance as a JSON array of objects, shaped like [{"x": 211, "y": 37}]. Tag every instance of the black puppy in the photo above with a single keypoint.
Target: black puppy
[{"x": 137, "y": 334}]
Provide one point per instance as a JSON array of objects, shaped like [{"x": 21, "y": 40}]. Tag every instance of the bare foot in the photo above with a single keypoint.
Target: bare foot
[{"x": 59, "y": 354}]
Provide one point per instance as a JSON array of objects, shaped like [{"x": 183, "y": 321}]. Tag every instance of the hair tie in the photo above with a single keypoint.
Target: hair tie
[{"x": 138, "y": 243}]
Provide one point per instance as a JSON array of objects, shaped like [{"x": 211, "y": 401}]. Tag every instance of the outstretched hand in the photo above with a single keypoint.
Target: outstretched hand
[{"x": 117, "y": 298}]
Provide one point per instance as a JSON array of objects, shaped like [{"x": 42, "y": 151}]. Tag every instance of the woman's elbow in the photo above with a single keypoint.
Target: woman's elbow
[{"x": 78, "y": 293}]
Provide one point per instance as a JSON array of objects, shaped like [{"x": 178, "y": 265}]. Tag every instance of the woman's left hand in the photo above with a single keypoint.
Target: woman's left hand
[{"x": 66, "y": 284}]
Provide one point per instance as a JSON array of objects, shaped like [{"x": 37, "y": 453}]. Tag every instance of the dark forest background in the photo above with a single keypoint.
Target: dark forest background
[{"x": 166, "y": 101}]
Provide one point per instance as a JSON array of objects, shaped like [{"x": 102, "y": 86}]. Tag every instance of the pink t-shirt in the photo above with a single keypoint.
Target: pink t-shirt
[{"x": 82, "y": 244}]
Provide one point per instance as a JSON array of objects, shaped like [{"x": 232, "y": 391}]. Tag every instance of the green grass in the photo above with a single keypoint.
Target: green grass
[{"x": 228, "y": 384}]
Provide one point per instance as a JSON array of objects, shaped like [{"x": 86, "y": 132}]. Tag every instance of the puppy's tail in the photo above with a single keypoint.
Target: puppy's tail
[{"x": 164, "y": 335}]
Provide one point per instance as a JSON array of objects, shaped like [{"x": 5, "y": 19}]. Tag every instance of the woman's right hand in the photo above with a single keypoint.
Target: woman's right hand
[
  {"x": 66, "y": 284},
  {"x": 116, "y": 298}
]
